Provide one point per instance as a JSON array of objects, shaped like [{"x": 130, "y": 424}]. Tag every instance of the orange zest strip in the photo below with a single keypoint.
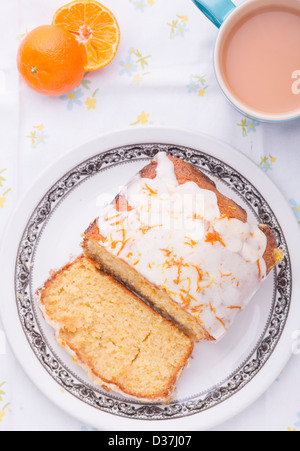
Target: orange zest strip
[
  {"x": 259, "y": 269},
  {"x": 151, "y": 191},
  {"x": 186, "y": 301},
  {"x": 200, "y": 278},
  {"x": 212, "y": 308},
  {"x": 197, "y": 308},
  {"x": 225, "y": 275},
  {"x": 179, "y": 264},
  {"x": 146, "y": 229},
  {"x": 189, "y": 280},
  {"x": 112, "y": 217},
  {"x": 190, "y": 242},
  {"x": 118, "y": 223},
  {"x": 197, "y": 217},
  {"x": 188, "y": 295},
  {"x": 123, "y": 242},
  {"x": 219, "y": 319},
  {"x": 167, "y": 252},
  {"x": 214, "y": 237}
]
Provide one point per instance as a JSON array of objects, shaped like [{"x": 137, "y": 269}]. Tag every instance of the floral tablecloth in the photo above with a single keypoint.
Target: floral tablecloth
[{"x": 162, "y": 75}]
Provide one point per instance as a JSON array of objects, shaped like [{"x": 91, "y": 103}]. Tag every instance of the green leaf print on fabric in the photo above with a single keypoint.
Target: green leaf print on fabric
[
  {"x": 178, "y": 26},
  {"x": 248, "y": 126}
]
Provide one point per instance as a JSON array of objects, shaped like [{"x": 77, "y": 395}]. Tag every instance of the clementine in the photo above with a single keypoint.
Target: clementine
[
  {"x": 51, "y": 61},
  {"x": 95, "y": 28}
]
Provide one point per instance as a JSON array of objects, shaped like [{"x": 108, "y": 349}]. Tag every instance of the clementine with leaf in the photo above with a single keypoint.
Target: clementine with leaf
[
  {"x": 95, "y": 28},
  {"x": 51, "y": 61}
]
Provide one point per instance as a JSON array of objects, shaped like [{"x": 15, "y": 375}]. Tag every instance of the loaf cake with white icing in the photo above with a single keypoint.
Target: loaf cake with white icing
[
  {"x": 122, "y": 343},
  {"x": 189, "y": 251}
]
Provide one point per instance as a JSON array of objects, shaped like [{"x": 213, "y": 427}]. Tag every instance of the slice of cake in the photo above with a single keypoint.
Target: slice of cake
[
  {"x": 173, "y": 238},
  {"x": 122, "y": 343}
]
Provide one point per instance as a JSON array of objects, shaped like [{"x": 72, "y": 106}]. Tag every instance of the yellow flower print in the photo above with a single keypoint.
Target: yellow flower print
[
  {"x": 184, "y": 19},
  {"x": 2, "y": 413},
  {"x": 135, "y": 65},
  {"x": 248, "y": 126},
  {"x": 296, "y": 209},
  {"x": 3, "y": 198},
  {"x": 141, "y": 5},
  {"x": 91, "y": 102},
  {"x": 197, "y": 85},
  {"x": 179, "y": 27},
  {"x": 137, "y": 79},
  {"x": 267, "y": 163},
  {"x": 291, "y": 430},
  {"x": 142, "y": 119},
  {"x": 2, "y": 179},
  {"x": 37, "y": 136},
  {"x": 73, "y": 98},
  {"x": 4, "y": 194}
]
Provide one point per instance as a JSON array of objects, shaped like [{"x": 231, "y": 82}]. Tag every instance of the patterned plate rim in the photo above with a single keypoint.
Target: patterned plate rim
[{"x": 125, "y": 407}]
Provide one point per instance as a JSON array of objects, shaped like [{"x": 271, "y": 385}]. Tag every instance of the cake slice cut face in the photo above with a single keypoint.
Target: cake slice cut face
[
  {"x": 188, "y": 250},
  {"x": 122, "y": 343}
]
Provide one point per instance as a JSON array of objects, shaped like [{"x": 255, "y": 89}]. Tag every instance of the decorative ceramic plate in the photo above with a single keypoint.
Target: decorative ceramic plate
[{"x": 45, "y": 233}]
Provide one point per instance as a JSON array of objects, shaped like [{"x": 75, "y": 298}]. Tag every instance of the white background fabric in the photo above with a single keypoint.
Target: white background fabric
[{"x": 176, "y": 88}]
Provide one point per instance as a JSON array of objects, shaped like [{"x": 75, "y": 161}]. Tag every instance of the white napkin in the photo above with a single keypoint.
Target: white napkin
[{"x": 162, "y": 75}]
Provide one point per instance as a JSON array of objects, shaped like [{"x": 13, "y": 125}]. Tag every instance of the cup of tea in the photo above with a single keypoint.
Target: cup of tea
[{"x": 257, "y": 56}]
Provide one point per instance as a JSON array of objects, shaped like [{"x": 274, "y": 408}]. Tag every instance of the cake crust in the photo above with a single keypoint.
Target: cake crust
[{"x": 66, "y": 327}]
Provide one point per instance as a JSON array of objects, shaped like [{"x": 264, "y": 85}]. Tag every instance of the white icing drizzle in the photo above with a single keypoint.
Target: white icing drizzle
[{"x": 175, "y": 236}]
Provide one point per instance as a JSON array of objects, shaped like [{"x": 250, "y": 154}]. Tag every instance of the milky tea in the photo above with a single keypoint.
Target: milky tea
[{"x": 261, "y": 60}]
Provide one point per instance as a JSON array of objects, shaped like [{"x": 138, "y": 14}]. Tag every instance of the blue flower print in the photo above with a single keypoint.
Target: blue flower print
[
  {"x": 297, "y": 425},
  {"x": 193, "y": 87},
  {"x": 267, "y": 163},
  {"x": 129, "y": 67},
  {"x": 252, "y": 125},
  {"x": 178, "y": 26},
  {"x": 37, "y": 136},
  {"x": 73, "y": 98},
  {"x": 197, "y": 85},
  {"x": 40, "y": 138},
  {"x": 296, "y": 209},
  {"x": 139, "y": 5},
  {"x": 181, "y": 30}
]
